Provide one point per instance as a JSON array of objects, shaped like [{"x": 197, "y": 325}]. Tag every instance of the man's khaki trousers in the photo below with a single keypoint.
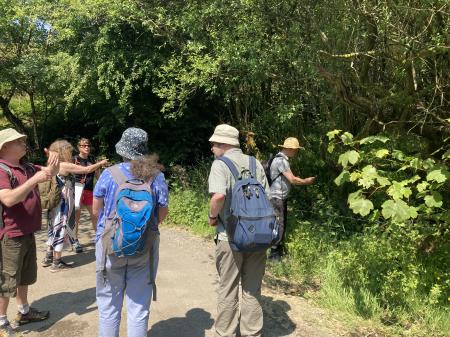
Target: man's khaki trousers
[{"x": 248, "y": 270}]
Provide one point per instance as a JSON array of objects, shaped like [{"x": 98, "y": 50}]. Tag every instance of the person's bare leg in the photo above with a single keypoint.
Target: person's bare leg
[
  {"x": 77, "y": 220},
  {"x": 22, "y": 295},
  {"x": 93, "y": 218},
  {"x": 4, "y": 301}
]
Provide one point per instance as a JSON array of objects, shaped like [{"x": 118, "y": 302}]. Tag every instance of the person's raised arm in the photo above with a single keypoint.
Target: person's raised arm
[
  {"x": 66, "y": 167},
  {"x": 297, "y": 180},
  {"x": 11, "y": 197}
]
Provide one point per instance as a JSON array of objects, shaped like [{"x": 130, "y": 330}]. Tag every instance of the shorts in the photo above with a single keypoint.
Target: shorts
[
  {"x": 86, "y": 198},
  {"x": 18, "y": 263}
]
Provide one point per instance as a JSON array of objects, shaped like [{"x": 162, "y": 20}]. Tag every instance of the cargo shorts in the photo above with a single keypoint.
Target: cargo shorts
[{"x": 18, "y": 263}]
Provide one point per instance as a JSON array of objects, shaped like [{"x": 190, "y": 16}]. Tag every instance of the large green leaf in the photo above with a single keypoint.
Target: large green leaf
[
  {"x": 382, "y": 153},
  {"x": 398, "y": 190},
  {"x": 342, "y": 178},
  {"x": 347, "y": 138},
  {"x": 422, "y": 186},
  {"x": 351, "y": 157},
  {"x": 433, "y": 200},
  {"x": 333, "y": 133},
  {"x": 446, "y": 155},
  {"x": 358, "y": 204},
  {"x": 368, "y": 176},
  {"x": 439, "y": 175},
  {"x": 398, "y": 210}
]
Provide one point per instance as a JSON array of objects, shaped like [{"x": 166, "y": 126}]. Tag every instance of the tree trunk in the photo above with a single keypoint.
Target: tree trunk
[
  {"x": 16, "y": 122},
  {"x": 35, "y": 122}
]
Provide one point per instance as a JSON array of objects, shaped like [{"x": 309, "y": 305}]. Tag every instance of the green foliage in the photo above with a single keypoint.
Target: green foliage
[{"x": 189, "y": 209}]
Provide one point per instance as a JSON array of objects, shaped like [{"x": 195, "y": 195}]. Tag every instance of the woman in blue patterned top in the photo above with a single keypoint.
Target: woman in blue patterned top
[{"x": 128, "y": 276}]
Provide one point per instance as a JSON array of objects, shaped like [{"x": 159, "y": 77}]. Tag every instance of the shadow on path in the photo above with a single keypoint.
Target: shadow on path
[
  {"x": 276, "y": 320},
  {"x": 60, "y": 305},
  {"x": 194, "y": 324},
  {"x": 86, "y": 257}
]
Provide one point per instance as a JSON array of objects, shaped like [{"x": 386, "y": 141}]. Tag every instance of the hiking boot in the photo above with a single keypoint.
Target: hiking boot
[
  {"x": 77, "y": 247},
  {"x": 60, "y": 265},
  {"x": 33, "y": 315},
  {"x": 47, "y": 261},
  {"x": 6, "y": 330}
]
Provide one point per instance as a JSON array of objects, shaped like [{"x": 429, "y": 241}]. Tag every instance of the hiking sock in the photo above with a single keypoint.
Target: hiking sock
[
  {"x": 56, "y": 262},
  {"x": 3, "y": 320},
  {"x": 23, "y": 308}
]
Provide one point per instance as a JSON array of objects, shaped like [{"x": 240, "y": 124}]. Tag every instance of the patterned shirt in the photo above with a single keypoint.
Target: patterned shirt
[
  {"x": 106, "y": 189},
  {"x": 280, "y": 184}
]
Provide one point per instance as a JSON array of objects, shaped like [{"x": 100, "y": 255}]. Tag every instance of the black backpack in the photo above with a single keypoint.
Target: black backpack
[{"x": 267, "y": 165}]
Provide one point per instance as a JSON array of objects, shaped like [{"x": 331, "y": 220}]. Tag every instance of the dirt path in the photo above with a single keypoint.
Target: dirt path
[{"x": 186, "y": 295}]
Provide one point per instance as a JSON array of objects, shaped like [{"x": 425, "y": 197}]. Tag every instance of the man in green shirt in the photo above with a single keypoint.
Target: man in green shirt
[{"x": 234, "y": 268}]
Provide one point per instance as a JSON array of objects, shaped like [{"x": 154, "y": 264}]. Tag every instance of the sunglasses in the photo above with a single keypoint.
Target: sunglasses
[{"x": 84, "y": 145}]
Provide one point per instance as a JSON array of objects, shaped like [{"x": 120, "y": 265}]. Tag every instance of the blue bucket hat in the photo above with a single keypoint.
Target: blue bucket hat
[{"x": 133, "y": 143}]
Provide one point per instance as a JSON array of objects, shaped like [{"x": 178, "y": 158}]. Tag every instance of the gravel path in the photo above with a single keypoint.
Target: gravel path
[{"x": 186, "y": 302}]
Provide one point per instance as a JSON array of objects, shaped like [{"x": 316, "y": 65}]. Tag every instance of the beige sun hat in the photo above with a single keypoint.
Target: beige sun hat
[
  {"x": 8, "y": 135},
  {"x": 225, "y": 134},
  {"x": 291, "y": 143}
]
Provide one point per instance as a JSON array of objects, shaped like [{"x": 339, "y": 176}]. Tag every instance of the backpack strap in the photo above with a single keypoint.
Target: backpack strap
[
  {"x": 12, "y": 177},
  {"x": 231, "y": 166},
  {"x": 270, "y": 167},
  {"x": 118, "y": 176},
  {"x": 252, "y": 166},
  {"x": 12, "y": 181}
]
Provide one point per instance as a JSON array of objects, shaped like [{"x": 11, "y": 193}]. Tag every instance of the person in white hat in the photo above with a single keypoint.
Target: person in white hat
[
  {"x": 234, "y": 268},
  {"x": 20, "y": 217},
  {"x": 282, "y": 179}
]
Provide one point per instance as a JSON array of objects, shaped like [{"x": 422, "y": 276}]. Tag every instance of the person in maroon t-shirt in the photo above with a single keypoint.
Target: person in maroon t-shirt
[{"x": 20, "y": 218}]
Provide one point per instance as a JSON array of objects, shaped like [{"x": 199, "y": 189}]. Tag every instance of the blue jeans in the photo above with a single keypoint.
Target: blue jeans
[{"x": 127, "y": 277}]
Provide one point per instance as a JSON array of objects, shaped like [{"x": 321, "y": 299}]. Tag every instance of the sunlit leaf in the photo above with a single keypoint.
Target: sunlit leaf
[
  {"x": 439, "y": 175},
  {"x": 348, "y": 157},
  {"x": 398, "y": 190},
  {"x": 355, "y": 176},
  {"x": 372, "y": 139},
  {"x": 333, "y": 133},
  {"x": 446, "y": 155},
  {"x": 433, "y": 200},
  {"x": 342, "y": 178},
  {"x": 422, "y": 186},
  {"x": 347, "y": 138},
  {"x": 398, "y": 210},
  {"x": 358, "y": 204},
  {"x": 330, "y": 148},
  {"x": 368, "y": 176},
  {"x": 382, "y": 153}
]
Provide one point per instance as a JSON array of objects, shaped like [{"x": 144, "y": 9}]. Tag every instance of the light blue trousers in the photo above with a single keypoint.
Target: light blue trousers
[{"x": 125, "y": 277}]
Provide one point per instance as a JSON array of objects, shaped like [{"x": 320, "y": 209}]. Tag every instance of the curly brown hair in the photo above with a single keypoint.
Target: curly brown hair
[
  {"x": 63, "y": 148},
  {"x": 146, "y": 167}
]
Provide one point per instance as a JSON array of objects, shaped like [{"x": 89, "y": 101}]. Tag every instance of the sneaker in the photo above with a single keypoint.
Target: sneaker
[
  {"x": 77, "y": 247},
  {"x": 47, "y": 261},
  {"x": 6, "y": 330},
  {"x": 61, "y": 265},
  {"x": 33, "y": 315}
]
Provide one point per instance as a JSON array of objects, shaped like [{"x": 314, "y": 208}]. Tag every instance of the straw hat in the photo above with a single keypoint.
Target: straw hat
[
  {"x": 291, "y": 143},
  {"x": 133, "y": 144},
  {"x": 8, "y": 135},
  {"x": 225, "y": 134}
]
